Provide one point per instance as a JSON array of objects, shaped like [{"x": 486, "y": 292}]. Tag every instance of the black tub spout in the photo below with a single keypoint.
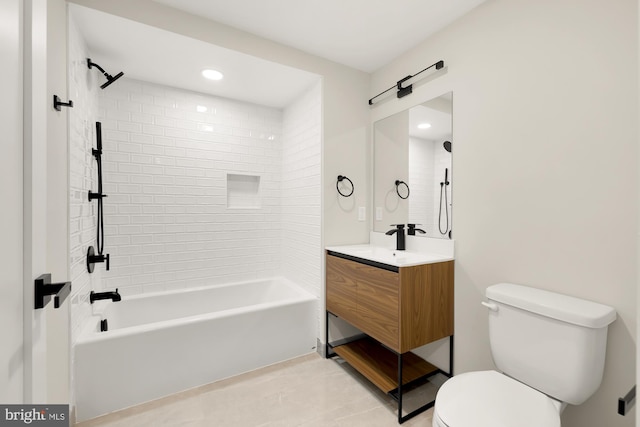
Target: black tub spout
[{"x": 113, "y": 296}]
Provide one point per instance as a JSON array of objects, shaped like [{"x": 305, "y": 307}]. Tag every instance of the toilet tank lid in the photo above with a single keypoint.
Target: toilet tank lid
[{"x": 550, "y": 304}]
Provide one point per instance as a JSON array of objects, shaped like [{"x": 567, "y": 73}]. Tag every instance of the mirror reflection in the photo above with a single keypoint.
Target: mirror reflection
[{"x": 412, "y": 169}]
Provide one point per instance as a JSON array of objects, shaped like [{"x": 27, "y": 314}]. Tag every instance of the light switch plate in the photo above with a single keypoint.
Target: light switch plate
[
  {"x": 378, "y": 214},
  {"x": 362, "y": 213}
]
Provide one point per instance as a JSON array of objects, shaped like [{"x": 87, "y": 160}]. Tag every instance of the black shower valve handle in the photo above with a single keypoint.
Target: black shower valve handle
[
  {"x": 103, "y": 258},
  {"x": 92, "y": 259}
]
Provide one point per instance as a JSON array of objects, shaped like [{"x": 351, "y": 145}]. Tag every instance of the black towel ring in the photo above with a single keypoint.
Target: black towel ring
[
  {"x": 398, "y": 183},
  {"x": 340, "y": 179}
]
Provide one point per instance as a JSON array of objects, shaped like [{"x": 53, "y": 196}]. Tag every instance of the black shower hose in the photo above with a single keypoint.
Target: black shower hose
[{"x": 446, "y": 209}]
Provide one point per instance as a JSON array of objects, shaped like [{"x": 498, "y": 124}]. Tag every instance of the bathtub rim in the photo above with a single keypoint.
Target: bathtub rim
[{"x": 91, "y": 332}]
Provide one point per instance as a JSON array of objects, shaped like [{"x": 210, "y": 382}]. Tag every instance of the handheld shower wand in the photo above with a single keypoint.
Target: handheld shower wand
[{"x": 443, "y": 190}]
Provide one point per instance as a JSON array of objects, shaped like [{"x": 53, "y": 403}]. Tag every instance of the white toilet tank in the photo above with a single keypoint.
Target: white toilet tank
[{"x": 551, "y": 342}]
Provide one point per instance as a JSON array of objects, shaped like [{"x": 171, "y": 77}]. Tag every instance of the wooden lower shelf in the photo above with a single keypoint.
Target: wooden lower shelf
[{"x": 380, "y": 365}]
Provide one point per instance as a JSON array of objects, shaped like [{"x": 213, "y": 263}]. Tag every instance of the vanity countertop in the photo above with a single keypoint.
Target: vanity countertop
[{"x": 390, "y": 257}]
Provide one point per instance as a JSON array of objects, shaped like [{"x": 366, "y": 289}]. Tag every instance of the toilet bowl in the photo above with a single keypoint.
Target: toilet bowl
[
  {"x": 491, "y": 399},
  {"x": 550, "y": 352}
]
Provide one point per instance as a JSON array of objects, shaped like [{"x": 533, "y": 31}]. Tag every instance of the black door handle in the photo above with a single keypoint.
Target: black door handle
[{"x": 44, "y": 290}]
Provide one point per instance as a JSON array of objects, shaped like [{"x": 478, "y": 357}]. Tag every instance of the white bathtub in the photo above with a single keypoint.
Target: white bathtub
[{"x": 159, "y": 344}]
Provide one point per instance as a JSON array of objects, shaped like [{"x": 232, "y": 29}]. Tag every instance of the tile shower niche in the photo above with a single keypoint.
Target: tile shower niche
[{"x": 243, "y": 191}]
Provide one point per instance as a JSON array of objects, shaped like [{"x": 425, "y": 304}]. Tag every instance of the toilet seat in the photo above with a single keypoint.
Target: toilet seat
[{"x": 491, "y": 399}]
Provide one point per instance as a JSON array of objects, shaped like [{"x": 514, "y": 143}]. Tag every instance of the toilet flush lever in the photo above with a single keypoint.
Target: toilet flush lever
[{"x": 491, "y": 306}]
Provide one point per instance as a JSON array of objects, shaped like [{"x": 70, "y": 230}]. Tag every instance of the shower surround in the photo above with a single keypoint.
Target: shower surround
[{"x": 200, "y": 188}]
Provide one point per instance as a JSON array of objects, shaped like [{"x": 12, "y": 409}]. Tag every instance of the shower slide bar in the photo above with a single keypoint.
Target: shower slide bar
[{"x": 96, "y": 255}]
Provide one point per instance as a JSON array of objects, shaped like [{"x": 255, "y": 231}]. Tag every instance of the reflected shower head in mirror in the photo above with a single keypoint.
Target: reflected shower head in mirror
[
  {"x": 110, "y": 78},
  {"x": 447, "y": 145}
]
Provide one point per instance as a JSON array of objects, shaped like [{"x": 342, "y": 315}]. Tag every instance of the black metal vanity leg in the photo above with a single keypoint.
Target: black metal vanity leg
[
  {"x": 326, "y": 334},
  {"x": 450, "y": 355},
  {"x": 400, "y": 419}
]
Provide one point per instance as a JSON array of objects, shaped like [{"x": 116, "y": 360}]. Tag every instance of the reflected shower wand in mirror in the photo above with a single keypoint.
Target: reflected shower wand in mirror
[
  {"x": 443, "y": 190},
  {"x": 110, "y": 78}
]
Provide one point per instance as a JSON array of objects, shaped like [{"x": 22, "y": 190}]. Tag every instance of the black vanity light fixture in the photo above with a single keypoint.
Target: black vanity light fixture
[
  {"x": 110, "y": 78},
  {"x": 405, "y": 86}
]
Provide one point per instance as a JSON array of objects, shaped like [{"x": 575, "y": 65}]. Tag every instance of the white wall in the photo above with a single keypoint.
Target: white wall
[
  {"x": 545, "y": 189},
  {"x": 391, "y": 163},
  {"x": 11, "y": 303}
]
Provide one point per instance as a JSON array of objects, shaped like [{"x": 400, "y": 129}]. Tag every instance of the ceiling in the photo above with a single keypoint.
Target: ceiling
[
  {"x": 158, "y": 56},
  {"x": 363, "y": 34},
  {"x": 436, "y": 112}
]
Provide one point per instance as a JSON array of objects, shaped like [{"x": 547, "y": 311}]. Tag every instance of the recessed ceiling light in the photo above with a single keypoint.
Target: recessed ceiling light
[
  {"x": 212, "y": 74},
  {"x": 201, "y": 109},
  {"x": 424, "y": 126}
]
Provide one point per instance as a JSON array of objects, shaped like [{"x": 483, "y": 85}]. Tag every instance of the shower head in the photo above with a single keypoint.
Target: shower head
[
  {"x": 447, "y": 145},
  {"x": 110, "y": 78}
]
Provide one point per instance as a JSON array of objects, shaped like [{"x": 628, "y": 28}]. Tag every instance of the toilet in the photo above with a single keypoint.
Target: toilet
[{"x": 549, "y": 350}]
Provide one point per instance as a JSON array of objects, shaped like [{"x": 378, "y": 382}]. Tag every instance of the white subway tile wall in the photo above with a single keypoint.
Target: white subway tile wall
[
  {"x": 301, "y": 191},
  {"x": 427, "y": 163},
  {"x": 167, "y": 156},
  {"x": 82, "y": 177},
  {"x": 422, "y": 185},
  {"x": 442, "y": 161}
]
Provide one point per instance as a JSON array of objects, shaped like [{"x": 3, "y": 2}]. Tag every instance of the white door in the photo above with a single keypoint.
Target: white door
[
  {"x": 46, "y": 351},
  {"x": 11, "y": 295}
]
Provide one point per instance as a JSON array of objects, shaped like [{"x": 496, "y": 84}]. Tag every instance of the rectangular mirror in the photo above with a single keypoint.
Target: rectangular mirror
[{"x": 412, "y": 169}]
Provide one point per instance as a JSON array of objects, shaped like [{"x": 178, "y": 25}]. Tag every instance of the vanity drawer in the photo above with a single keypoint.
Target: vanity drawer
[
  {"x": 365, "y": 296},
  {"x": 378, "y": 306},
  {"x": 341, "y": 289}
]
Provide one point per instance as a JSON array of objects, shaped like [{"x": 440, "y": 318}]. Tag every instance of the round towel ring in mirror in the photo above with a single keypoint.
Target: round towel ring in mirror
[
  {"x": 398, "y": 184},
  {"x": 340, "y": 179}
]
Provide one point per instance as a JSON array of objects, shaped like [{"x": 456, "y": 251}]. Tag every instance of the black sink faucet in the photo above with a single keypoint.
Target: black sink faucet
[
  {"x": 412, "y": 230},
  {"x": 399, "y": 230},
  {"x": 113, "y": 296}
]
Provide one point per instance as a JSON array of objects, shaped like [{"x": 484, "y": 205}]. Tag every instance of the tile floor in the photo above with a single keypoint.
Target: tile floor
[{"x": 308, "y": 391}]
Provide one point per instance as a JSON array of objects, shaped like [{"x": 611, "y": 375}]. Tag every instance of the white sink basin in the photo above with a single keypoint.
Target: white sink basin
[{"x": 389, "y": 256}]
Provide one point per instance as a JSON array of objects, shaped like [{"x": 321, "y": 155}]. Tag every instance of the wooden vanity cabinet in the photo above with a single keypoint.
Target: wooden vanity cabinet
[
  {"x": 399, "y": 309},
  {"x": 402, "y": 309}
]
